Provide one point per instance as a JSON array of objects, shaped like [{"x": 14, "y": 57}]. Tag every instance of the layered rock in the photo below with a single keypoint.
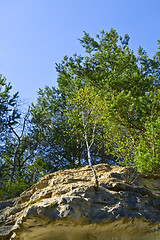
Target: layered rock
[{"x": 66, "y": 205}]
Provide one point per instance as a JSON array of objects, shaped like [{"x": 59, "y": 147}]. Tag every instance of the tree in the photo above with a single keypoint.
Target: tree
[
  {"x": 56, "y": 146},
  {"x": 147, "y": 157},
  {"x": 106, "y": 109},
  {"x": 9, "y": 117},
  {"x": 122, "y": 79},
  {"x": 19, "y": 165},
  {"x": 113, "y": 69},
  {"x": 89, "y": 109},
  {"x": 20, "y": 168},
  {"x": 9, "y": 113},
  {"x": 60, "y": 145}
]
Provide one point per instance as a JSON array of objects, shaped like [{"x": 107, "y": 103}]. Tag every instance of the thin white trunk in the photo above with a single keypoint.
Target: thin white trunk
[
  {"x": 88, "y": 149},
  {"x": 152, "y": 130}
]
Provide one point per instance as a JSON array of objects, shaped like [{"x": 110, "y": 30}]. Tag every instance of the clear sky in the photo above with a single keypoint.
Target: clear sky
[{"x": 36, "y": 34}]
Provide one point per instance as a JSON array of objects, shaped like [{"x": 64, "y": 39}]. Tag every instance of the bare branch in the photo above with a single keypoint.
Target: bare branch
[{"x": 24, "y": 122}]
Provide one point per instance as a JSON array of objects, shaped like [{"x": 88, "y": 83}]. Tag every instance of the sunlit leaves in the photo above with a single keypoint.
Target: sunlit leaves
[
  {"x": 86, "y": 105},
  {"x": 123, "y": 80}
]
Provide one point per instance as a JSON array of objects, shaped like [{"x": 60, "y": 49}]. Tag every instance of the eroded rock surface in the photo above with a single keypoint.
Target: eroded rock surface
[{"x": 66, "y": 206}]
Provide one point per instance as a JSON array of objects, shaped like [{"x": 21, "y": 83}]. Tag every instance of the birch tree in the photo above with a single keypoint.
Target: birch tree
[{"x": 88, "y": 108}]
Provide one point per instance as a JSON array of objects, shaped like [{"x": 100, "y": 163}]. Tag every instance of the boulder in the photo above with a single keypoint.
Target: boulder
[{"x": 65, "y": 205}]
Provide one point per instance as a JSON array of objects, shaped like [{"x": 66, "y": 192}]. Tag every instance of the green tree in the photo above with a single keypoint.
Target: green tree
[
  {"x": 147, "y": 157},
  {"x": 88, "y": 110},
  {"x": 19, "y": 165},
  {"x": 9, "y": 117},
  {"x": 114, "y": 70},
  {"x": 8, "y": 109},
  {"x": 123, "y": 80},
  {"x": 56, "y": 146}
]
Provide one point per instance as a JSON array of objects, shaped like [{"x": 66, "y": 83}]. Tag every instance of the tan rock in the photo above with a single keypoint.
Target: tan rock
[{"x": 66, "y": 206}]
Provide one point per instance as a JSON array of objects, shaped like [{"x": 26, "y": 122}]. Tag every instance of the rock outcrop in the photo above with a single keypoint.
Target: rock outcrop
[{"x": 66, "y": 206}]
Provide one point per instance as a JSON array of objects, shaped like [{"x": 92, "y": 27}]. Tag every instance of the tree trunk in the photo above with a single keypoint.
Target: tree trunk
[{"x": 93, "y": 170}]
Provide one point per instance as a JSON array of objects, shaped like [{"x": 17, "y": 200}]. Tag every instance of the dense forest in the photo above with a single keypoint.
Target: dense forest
[{"x": 107, "y": 102}]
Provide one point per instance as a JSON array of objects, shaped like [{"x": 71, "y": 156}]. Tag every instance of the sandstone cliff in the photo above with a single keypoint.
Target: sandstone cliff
[{"x": 66, "y": 206}]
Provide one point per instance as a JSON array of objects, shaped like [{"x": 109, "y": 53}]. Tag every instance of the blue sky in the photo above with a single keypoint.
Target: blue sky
[{"x": 36, "y": 34}]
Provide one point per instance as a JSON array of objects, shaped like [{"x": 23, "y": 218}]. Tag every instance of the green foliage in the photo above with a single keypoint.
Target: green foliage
[
  {"x": 123, "y": 80},
  {"x": 56, "y": 146},
  {"x": 147, "y": 157},
  {"x": 19, "y": 166},
  {"x": 107, "y": 104},
  {"x": 8, "y": 109},
  {"x": 86, "y": 114}
]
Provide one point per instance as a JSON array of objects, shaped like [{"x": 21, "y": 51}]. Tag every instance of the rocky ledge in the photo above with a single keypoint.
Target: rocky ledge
[{"x": 66, "y": 206}]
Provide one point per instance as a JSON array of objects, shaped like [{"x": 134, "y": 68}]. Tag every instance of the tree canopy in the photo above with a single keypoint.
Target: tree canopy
[{"x": 106, "y": 109}]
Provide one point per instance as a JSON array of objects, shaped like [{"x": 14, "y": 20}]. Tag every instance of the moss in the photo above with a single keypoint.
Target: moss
[
  {"x": 31, "y": 203},
  {"x": 53, "y": 204}
]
